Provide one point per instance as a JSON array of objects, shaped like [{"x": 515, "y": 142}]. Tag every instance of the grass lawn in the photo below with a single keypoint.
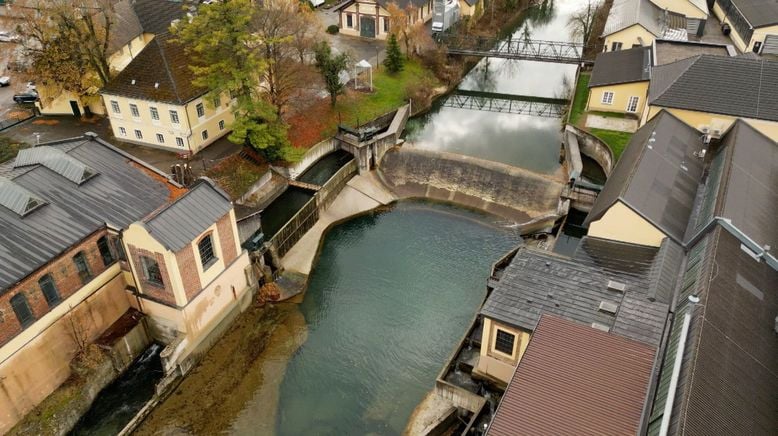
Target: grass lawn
[
  {"x": 617, "y": 141},
  {"x": 320, "y": 120},
  {"x": 579, "y": 100}
]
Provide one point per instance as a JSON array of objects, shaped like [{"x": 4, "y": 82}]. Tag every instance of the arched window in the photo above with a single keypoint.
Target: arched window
[
  {"x": 205, "y": 247},
  {"x": 83, "y": 267},
  {"x": 151, "y": 271},
  {"x": 105, "y": 251},
  {"x": 49, "y": 290},
  {"x": 22, "y": 310}
]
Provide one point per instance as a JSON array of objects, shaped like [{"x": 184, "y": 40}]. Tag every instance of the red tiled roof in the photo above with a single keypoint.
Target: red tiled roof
[{"x": 577, "y": 380}]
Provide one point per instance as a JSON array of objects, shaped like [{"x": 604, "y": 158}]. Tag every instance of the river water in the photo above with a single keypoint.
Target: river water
[{"x": 525, "y": 141}]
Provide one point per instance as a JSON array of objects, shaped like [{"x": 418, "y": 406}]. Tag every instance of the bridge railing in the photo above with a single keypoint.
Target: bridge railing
[{"x": 512, "y": 48}]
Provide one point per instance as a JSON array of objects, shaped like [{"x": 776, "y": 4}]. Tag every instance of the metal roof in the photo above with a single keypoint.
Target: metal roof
[
  {"x": 759, "y": 13},
  {"x": 575, "y": 380},
  {"x": 727, "y": 382},
  {"x": 622, "y": 66},
  {"x": 538, "y": 282},
  {"x": 657, "y": 176},
  {"x": 182, "y": 221},
  {"x": 626, "y": 13},
  {"x": 18, "y": 199},
  {"x": 124, "y": 192},
  {"x": 56, "y": 160},
  {"x": 737, "y": 86}
]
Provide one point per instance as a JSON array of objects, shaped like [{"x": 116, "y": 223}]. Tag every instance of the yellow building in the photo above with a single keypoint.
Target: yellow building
[
  {"x": 635, "y": 23},
  {"x": 619, "y": 81},
  {"x": 370, "y": 19},
  {"x": 126, "y": 237},
  {"x": 710, "y": 92},
  {"x": 753, "y": 24},
  {"x": 153, "y": 102}
]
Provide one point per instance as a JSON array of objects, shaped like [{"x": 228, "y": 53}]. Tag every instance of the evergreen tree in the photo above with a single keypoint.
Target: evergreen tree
[
  {"x": 394, "y": 58},
  {"x": 330, "y": 66}
]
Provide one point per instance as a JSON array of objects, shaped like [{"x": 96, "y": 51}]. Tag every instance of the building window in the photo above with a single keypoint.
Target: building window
[
  {"x": 160, "y": 138},
  {"x": 49, "y": 290},
  {"x": 180, "y": 142},
  {"x": 154, "y": 113},
  {"x": 632, "y": 104},
  {"x": 138, "y": 134},
  {"x": 22, "y": 310},
  {"x": 386, "y": 25},
  {"x": 200, "y": 110},
  {"x": 205, "y": 135},
  {"x": 221, "y": 124},
  {"x": 134, "y": 110},
  {"x": 83, "y": 268},
  {"x": 607, "y": 97},
  {"x": 115, "y": 107},
  {"x": 151, "y": 271},
  {"x": 122, "y": 131},
  {"x": 174, "y": 117},
  {"x": 105, "y": 251},
  {"x": 504, "y": 342},
  {"x": 205, "y": 247},
  {"x": 616, "y": 46},
  {"x": 349, "y": 21},
  {"x": 119, "y": 249}
]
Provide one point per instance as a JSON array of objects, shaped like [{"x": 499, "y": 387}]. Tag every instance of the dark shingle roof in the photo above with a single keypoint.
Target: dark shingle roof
[
  {"x": 727, "y": 382},
  {"x": 575, "y": 380},
  {"x": 657, "y": 179},
  {"x": 538, "y": 282},
  {"x": 161, "y": 73},
  {"x": 759, "y": 13},
  {"x": 126, "y": 26},
  {"x": 622, "y": 66},
  {"x": 736, "y": 86},
  {"x": 123, "y": 192},
  {"x": 191, "y": 214},
  {"x": 155, "y": 16}
]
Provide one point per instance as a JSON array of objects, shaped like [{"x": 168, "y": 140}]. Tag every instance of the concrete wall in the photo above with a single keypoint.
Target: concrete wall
[
  {"x": 459, "y": 397},
  {"x": 630, "y": 36},
  {"x": 621, "y": 96},
  {"x": 594, "y": 148},
  {"x": 510, "y": 192},
  {"x": 313, "y": 155},
  {"x": 698, "y": 120},
  {"x": 620, "y": 223}
]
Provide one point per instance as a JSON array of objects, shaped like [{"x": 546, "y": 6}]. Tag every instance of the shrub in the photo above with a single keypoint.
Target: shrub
[{"x": 333, "y": 29}]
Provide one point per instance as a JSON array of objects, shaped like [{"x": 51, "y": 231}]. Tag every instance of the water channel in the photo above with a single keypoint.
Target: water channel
[{"x": 525, "y": 141}]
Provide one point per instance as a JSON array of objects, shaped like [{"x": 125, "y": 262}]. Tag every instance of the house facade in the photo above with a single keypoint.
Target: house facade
[
  {"x": 636, "y": 23},
  {"x": 127, "y": 237},
  {"x": 371, "y": 19},
  {"x": 753, "y": 24},
  {"x": 153, "y": 102},
  {"x": 619, "y": 81}
]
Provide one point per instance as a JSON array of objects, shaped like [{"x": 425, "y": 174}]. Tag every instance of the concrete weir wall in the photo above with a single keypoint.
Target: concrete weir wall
[{"x": 512, "y": 193}]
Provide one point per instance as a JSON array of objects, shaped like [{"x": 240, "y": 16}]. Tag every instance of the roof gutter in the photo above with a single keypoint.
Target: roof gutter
[
  {"x": 667, "y": 413},
  {"x": 758, "y": 253}
]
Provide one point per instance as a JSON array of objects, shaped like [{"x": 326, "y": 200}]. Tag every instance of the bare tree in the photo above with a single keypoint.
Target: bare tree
[
  {"x": 580, "y": 22},
  {"x": 78, "y": 330}
]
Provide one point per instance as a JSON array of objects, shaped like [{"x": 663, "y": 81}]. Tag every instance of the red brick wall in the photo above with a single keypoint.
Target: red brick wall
[
  {"x": 65, "y": 275},
  {"x": 163, "y": 293},
  {"x": 227, "y": 239},
  {"x": 187, "y": 265}
]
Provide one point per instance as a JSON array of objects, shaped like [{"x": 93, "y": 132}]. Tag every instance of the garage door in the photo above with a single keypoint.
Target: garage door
[{"x": 770, "y": 45}]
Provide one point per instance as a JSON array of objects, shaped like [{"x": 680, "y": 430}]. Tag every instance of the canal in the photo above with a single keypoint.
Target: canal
[{"x": 525, "y": 141}]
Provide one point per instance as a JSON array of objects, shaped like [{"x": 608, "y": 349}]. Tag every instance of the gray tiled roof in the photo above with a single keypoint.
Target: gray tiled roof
[
  {"x": 659, "y": 179},
  {"x": 120, "y": 194},
  {"x": 155, "y": 16},
  {"x": 759, "y": 13},
  {"x": 538, "y": 282},
  {"x": 183, "y": 220},
  {"x": 622, "y": 66},
  {"x": 626, "y": 13},
  {"x": 737, "y": 86}
]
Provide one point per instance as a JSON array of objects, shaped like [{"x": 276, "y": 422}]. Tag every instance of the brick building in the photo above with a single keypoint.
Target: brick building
[{"x": 88, "y": 232}]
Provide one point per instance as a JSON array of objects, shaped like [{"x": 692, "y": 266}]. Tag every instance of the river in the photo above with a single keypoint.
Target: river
[{"x": 525, "y": 141}]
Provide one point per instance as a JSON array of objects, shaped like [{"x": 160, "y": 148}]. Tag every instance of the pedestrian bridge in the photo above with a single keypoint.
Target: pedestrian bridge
[
  {"x": 507, "y": 103},
  {"x": 512, "y": 48}
]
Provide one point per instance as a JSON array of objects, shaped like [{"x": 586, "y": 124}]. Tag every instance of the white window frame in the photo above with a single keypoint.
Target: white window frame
[
  {"x": 636, "y": 100},
  {"x": 204, "y": 135},
  {"x": 349, "y": 21},
  {"x": 200, "y": 108},
  {"x": 134, "y": 111},
  {"x": 607, "y": 97},
  {"x": 515, "y": 346},
  {"x": 115, "y": 107},
  {"x": 138, "y": 134},
  {"x": 221, "y": 124},
  {"x": 160, "y": 138},
  {"x": 174, "y": 119},
  {"x": 122, "y": 131},
  {"x": 154, "y": 113},
  {"x": 179, "y": 141}
]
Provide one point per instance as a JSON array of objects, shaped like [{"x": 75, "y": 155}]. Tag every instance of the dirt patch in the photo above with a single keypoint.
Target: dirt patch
[
  {"x": 236, "y": 385},
  {"x": 45, "y": 122}
]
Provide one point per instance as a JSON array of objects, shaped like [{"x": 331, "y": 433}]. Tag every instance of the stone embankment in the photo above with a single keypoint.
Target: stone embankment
[{"x": 527, "y": 198}]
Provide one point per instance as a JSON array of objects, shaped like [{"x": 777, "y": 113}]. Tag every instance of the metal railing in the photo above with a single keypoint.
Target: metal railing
[
  {"x": 512, "y": 48},
  {"x": 549, "y": 108}
]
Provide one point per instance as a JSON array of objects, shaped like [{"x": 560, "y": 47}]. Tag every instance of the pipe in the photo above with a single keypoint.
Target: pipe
[{"x": 687, "y": 317}]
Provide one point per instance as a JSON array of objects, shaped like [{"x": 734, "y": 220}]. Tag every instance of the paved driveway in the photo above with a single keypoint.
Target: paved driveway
[{"x": 372, "y": 50}]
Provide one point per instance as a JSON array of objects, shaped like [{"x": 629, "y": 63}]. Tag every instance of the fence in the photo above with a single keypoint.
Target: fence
[
  {"x": 15, "y": 117},
  {"x": 306, "y": 217}
]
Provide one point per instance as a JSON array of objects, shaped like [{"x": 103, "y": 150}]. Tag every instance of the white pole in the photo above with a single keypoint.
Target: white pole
[{"x": 674, "y": 377}]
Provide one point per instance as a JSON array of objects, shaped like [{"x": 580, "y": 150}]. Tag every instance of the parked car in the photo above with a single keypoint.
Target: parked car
[
  {"x": 5, "y": 81},
  {"x": 26, "y": 97},
  {"x": 6, "y": 36}
]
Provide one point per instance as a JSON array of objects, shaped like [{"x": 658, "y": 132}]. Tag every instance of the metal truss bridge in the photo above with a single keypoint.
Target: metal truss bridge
[
  {"x": 506, "y": 103},
  {"x": 517, "y": 48}
]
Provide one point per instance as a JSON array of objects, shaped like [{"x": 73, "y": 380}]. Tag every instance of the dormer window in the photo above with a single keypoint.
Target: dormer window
[{"x": 205, "y": 247}]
